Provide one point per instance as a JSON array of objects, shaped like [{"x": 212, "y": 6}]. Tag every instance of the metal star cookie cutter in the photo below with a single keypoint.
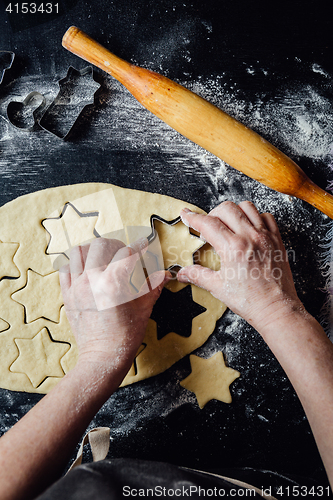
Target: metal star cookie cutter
[
  {"x": 174, "y": 260},
  {"x": 6, "y": 62},
  {"x": 174, "y": 268},
  {"x": 77, "y": 91},
  {"x": 26, "y": 114},
  {"x": 160, "y": 219}
]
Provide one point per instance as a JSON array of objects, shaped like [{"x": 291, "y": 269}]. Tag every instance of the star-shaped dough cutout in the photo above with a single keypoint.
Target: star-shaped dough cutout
[
  {"x": 210, "y": 379},
  {"x": 7, "y": 266},
  {"x": 41, "y": 297},
  {"x": 72, "y": 228},
  {"x": 39, "y": 357},
  {"x": 178, "y": 244}
]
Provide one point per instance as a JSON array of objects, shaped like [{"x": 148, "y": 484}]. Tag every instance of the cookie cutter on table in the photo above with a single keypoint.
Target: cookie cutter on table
[
  {"x": 77, "y": 91},
  {"x": 6, "y": 62},
  {"x": 26, "y": 114}
]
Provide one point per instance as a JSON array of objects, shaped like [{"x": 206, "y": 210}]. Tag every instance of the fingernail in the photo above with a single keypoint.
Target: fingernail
[
  {"x": 179, "y": 275},
  {"x": 182, "y": 278},
  {"x": 183, "y": 212}
]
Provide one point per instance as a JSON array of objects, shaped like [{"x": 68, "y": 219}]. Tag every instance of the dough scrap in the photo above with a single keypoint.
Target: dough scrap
[
  {"x": 7, "y": 265},
  {"x": 3, "y": 325},
  {"x": 210, "y": 379},
  {"x": 34, "y": 222}
]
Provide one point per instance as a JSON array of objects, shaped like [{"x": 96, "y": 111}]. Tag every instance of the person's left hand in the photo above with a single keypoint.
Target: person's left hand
[{"x": 107, "y": 319}]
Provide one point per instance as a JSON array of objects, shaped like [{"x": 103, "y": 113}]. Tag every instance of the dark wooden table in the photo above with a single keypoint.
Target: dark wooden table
[{"x": 270, "y": 66}]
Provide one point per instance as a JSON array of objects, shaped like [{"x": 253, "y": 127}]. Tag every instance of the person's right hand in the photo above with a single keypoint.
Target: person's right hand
[{"x": 255, "y": 279}]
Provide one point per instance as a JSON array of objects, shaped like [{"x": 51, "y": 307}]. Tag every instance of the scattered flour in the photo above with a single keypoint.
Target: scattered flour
[{"x": 298, "y": 120}]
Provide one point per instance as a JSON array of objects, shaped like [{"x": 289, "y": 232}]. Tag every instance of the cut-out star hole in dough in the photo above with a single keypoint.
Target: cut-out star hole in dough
[
  {"x": 210, "y": 379},
  {"x": 72, "y": 228},
  {"x": 7, "y": 267},
  {"x": 39, "y": 357},
  {"x": 174, "y": 312},
  {"x": 41, "y": 297},
  {"x": 178, "y": 244}
]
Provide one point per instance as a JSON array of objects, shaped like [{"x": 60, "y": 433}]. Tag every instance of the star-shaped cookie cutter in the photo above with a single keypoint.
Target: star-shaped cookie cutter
[
  {"x": 160, "y": 219},
  {"x": 176, "y": 265}
]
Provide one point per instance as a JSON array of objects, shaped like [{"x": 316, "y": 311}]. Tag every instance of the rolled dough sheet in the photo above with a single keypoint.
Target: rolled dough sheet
[{"x": 37, "y": 346}]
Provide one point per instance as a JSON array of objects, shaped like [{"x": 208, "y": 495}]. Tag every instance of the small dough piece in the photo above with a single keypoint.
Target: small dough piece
[
  {"x": 210, "y": 379},
  {"x": 3, "y": 325},
  {"x": 7, "y": 266}
]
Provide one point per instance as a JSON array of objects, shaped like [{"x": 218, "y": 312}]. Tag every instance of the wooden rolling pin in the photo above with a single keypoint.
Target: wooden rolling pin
[{"x": 203, "y": 123}]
